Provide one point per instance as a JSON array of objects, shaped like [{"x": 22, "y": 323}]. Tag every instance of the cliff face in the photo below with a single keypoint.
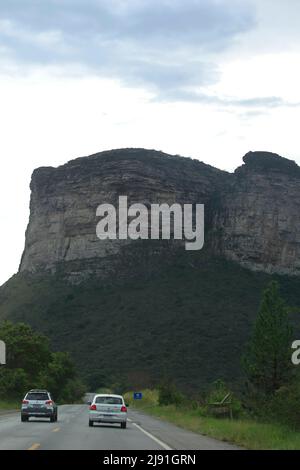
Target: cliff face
[
  {"x": 61, "y": 234},
  {"x": 252, "y": 216},
  {"x": 258, "y": 216}
]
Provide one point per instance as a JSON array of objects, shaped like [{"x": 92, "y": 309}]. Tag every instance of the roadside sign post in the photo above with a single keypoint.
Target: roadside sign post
[
  {"x": 2, "y": 353},
  {"x": 137, "y": 395}
]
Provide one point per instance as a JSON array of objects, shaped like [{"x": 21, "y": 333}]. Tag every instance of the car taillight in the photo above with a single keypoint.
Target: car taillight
[
  {"x": 123, "y": 409},
  {"x": 25, "y": 402},
  {"x": 93, "y": 408},
  {"x": 49, "y": 402}
]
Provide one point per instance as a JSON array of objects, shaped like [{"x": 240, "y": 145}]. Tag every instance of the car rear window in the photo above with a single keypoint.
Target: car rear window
[
  {"x": 37, "y": 396},
  {"x": 109, "y": 400}
]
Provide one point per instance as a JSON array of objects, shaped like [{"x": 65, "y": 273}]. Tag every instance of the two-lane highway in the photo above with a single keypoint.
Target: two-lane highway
[{"x": 72, "y": 432}]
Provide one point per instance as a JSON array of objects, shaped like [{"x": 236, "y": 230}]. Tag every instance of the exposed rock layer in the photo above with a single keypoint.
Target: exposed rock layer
[{"x": 252, "y": 215}]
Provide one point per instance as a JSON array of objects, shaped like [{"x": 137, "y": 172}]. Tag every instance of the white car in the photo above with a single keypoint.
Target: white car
[{"x": 108, "y": 409}]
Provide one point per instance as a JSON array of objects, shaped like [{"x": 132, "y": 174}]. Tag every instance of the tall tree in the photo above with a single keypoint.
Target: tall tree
[
  {"x": 31, "y": 364},
  {"x": 267, "y": 362},
  {"x": 25, "y": 348}
]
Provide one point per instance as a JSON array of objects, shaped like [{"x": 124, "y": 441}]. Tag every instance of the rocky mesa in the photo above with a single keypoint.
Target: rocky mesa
[{"x": 252, "y": 216}]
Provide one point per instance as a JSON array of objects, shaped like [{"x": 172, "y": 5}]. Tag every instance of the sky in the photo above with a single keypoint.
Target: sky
[{"x": 207, "y": 79}]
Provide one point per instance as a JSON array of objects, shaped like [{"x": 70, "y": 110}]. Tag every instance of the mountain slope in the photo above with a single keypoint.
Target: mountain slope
[{"x": 190, "y": 322}]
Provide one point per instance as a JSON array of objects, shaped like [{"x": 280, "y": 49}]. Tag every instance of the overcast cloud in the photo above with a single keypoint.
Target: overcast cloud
[{"x": 162, "y": 45}]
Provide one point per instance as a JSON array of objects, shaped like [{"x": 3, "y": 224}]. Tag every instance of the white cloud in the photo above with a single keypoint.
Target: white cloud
[
  {"x": 158, "y": 45},
  {"x": 262, "y": 75}
]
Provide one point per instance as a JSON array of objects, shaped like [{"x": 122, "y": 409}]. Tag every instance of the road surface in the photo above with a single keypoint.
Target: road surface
[{"x": 72, "y": 432}]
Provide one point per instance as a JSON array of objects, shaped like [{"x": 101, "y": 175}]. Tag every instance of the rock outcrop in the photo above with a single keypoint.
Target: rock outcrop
[
  {"x": 61, "y": 235},
  {"x": 252, "y": 215},
  {"x": 258, "y": 216}
]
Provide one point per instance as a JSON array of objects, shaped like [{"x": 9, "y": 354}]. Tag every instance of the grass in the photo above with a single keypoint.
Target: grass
[
  {"x": 9, "y": 405},
  {"x": 245, "y": 433}
]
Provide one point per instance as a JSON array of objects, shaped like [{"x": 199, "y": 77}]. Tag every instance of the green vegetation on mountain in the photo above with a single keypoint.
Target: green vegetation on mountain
[{"x": 191, "y": 322}]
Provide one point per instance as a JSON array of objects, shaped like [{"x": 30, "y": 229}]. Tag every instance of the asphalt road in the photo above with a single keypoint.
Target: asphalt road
[{"x": 72, "y": 432}]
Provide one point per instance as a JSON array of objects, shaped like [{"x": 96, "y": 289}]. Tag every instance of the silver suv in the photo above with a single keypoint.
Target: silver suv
[{"x": 38, "y": 404}]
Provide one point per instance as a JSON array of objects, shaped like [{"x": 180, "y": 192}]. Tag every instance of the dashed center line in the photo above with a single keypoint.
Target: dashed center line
[
  {"x": 35, "y": 446},
  {"x": 56, "y": 430}
]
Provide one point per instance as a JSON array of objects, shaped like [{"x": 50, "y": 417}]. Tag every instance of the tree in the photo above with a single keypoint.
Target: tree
[
  {"x": 59, "y": 377},
  {"x": 267, "y": 362},
  {"x": 13, "y": 383},
  {"x": 25, "y": 348},
  {"x": 31, "y": 364},
  {"x": 168, "y": 394}
]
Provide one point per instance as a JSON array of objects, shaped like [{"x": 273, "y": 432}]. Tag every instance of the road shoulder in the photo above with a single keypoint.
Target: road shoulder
[{"x": 175, "y": 437}]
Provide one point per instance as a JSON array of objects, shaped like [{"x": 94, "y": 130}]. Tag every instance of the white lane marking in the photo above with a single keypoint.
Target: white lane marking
[{"x": 162, "y": 444}]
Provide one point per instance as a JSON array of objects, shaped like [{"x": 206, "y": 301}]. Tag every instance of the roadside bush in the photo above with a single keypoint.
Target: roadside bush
[
  {"x": 73, "y": 391},
  {"x": 284, "y": 405},
  {"x": 13, "y": 383},
  {"x": 150, "y": 398},
  {"x": 57, "y": 376},
  {"x": 168, "y": 394}
]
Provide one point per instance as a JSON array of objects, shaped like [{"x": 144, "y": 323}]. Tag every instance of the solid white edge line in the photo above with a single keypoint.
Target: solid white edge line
[{"x": 162, "y": 444}]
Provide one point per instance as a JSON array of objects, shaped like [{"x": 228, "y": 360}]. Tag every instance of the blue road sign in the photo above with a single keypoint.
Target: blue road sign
[{"x": 137, "y": 395}]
